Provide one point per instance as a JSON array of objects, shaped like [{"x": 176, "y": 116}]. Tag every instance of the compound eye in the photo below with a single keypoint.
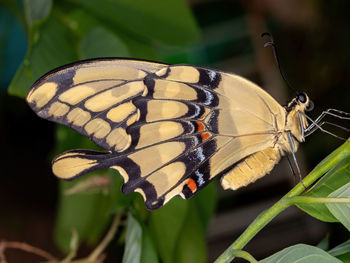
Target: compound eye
[
  {"x": 310, "y": 107},
  {"x": 301, "y": 97}
]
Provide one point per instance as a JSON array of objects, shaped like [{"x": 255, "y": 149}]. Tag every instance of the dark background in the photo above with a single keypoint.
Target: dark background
[{"x": 313, "y": 42}]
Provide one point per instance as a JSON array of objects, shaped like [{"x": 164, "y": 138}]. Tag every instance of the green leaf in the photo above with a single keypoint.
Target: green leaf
[
  {"x": 91, "y": 184},
  {"x": 148, "y": 252},
  {"x": 73, "y": 247},
  {"x": 36, "y": 10},
  {"x": 133, "y": 242},
  {"x": 87, "y": 213},
  {"x": 205, "y": 202},
  {"x": 99, "y": 42},
  {"x": 104, "y": 28},
  {"x": 341, "y": 249},
  {"x": 324, "y": 243},
  {"x": 50, "y": 46},
  {"x": 81, "y": 22},
  {"x": 170, "y": 22},
  {"x": 68, "y": 138},
  {"x": 191, "y": 246},
  {"x": 120, "y": 201},
  {"x": 332, "y": 180},
  {"x": 345, "y": 258},
  {"x": 165, "y": 224},
  {"x": 302, "y": 254},
  {"x": 341, "y": 211},
  {"x": 139, "y": 246}
]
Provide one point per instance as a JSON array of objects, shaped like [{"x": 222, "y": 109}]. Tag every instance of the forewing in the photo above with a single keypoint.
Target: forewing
[{"x": 94, "y": 98}]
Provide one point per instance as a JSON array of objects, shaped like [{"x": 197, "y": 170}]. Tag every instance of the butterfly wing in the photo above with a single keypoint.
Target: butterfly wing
[{"x": 169, "y": 129}]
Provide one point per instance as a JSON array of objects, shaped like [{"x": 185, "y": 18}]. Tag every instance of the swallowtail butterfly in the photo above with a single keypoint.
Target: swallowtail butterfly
[{"x": 168, "y": 129}]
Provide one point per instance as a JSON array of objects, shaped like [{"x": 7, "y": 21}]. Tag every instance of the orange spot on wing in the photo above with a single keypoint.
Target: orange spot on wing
[
  {"x": 192, "y": 185},
  {"x": 205, "y": 136},
  {"x": 200, "y": 126}
]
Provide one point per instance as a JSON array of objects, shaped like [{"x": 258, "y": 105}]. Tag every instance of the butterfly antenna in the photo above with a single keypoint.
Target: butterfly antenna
[{"x": 272, "y": 44}]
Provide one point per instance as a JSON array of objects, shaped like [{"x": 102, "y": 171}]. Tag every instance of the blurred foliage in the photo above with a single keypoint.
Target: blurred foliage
[
  {"x": 61, "y": 32},
  {"x": 59, "y": 35},
  {"x": 93, "y": 29}
]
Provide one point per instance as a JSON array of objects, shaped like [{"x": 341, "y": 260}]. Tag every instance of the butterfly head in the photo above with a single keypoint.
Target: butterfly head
[
  {"x": 297, "y": 122},
  {"x": 301, "y": 102}
]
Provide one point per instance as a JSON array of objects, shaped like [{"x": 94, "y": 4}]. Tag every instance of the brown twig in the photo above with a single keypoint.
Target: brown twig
[
  {"x": 96, "y": 255},
  {"x": 25, "y": 247},
  {"x": 2, "y": 253},
  {"x": 107, "y": 239},
  {"x": 101, "y": 258},
  {"x": 100, "y": 182}
]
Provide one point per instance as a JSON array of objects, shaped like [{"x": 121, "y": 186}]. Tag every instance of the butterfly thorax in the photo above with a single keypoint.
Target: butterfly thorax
[
  {"x": 296, "y": 121},
  {"x": 294, "y": 124}
]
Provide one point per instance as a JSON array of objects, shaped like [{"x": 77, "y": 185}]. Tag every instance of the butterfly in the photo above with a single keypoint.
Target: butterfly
[{"x": 168, "y": 129}]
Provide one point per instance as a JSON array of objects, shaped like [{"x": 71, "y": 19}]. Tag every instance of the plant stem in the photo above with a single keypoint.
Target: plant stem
[
  {"x": 106, "y": 240},
  {"x": 25, "y": 247},
  {"x": 245, "y": 255},
  {"x": 312, "y": 200},
  {"x": 266, "y": 216}
]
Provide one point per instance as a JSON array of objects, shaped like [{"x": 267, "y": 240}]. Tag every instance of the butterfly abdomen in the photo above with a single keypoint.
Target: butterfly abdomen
[{"x": 251, "y": 168}]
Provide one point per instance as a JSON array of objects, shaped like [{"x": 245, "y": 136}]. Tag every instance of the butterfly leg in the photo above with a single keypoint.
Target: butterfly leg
[
  {"x": 293, "y": 151},
  {"x": 317, "y": 124},
  {"x": 291, "y": 167},
  {"x": 335, "y": 113},
  {"x": 251, "y": 168}
]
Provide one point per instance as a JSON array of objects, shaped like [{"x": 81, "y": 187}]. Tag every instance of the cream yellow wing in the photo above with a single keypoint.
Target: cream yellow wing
[
  {"x": 169, "y": 129},
  {"x": 93, "y": 97},
  {"x": 247, "y": 114}
]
